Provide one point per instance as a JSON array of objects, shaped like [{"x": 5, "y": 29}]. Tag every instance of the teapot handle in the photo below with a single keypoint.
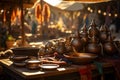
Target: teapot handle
[{"x": 75, "y": 51}]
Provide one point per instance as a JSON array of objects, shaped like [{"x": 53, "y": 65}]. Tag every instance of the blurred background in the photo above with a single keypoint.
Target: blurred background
[{"x": 40, "y": 20}]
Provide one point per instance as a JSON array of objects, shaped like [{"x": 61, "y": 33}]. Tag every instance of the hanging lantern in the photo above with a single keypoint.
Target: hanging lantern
[
  {"x": 18, "y": 13},
  {"x": 38, "y": 13},
  {"x": 46, "y": 11},
  {"x": 13, "y": 17}
]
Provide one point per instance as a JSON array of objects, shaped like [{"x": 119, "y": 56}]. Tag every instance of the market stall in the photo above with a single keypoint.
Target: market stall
[{"x": 88, "y": 53}]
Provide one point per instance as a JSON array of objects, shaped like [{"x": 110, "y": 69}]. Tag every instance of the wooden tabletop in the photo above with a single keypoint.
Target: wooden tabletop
[{"x": 28, "y": 74}]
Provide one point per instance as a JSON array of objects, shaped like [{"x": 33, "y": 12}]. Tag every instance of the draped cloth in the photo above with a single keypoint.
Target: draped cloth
[
  {"x": 85, "y": 73},
  {"x": 116, "y": 64}
]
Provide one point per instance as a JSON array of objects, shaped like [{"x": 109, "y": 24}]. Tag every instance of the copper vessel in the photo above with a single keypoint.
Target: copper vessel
[
  {"x": 32, "y": 63},
  {"x": 84, "y": 35},
  {"x": 110, "y": 48},
  {"x": 94, "y": 46},
  {"x": 68, "y": 44},
  {"x": 77, "y": 42},
  {"x": 93, "y": 30},
  {"x": 61, "y": 48},
  {"x": 103, "y": 33}
]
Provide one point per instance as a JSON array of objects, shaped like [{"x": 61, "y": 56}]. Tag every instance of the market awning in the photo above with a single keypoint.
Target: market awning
[
  {"x": 70, "y": 6},
  {"x": 74, "y": 5},
  {"x": 89, "y": 1}
]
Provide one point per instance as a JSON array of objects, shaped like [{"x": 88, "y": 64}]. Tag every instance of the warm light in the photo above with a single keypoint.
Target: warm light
[
  {"x": 68, "y": 31},
  {"x": 4, "y": 16},
  {"x": 18, "y": 14},
  {"x": 99, "y": 11},
  {"x": 61, "y": 69},
  {"x": 2, "y": 11},
  {"x": 115, "y": 14},
  {"x": 29, "y": 12},
  {"x": 46, "y": 12},
  {"x": 39, "y": 14},
  {"x": 62, "y": 29},
  {"x": 33, "y": 73},
  {"x": 78, "y": 14},
  {"x": 91, "y": 10},
  {"x": 8, "y": 12},
  {"x": 53, "y": 2},
  {"x": 13, "y": 16},
  {"x": 104, "y": 13},
  {"x": 88, "y": 8},
  {"x": 109, "y": 14},
  {"x": 84, "y": 17}
]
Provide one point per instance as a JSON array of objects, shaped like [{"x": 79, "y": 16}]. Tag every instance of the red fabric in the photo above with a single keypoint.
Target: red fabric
[{"x": 86, "y": 73}]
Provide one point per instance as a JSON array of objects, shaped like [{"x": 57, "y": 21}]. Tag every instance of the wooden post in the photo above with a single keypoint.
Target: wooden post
[
  {"x": 41, "y": 3},
  {"x": 22, "y": 24}
]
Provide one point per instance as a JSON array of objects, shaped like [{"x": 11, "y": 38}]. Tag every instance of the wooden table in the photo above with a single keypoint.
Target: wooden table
[{"x": 62, "y": 73}]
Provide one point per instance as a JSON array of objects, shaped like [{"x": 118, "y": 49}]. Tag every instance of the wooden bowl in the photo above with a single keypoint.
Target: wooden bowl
[
  {"x": 81, "y": 58},
  {"x": 26, "y": 51},
  {"x": 18, "y": 58}
]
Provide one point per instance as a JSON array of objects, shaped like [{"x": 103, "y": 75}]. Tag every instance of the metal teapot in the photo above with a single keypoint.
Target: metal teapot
[{"x": 77, "y": 42}]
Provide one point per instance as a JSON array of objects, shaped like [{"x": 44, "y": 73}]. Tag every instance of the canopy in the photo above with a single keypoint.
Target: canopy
[{"x": 70, "y": 6}]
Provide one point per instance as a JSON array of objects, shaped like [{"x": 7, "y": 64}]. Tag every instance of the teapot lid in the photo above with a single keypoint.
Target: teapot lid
[
  {"x": 93, "y": 23},
  {"x": 104, "y": 28}
]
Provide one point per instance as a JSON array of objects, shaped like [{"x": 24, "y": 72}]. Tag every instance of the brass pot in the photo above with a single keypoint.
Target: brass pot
[
  {"x": 110, "y": 49},
  {"x": 32, "y": 63},
  {"x": 93, "y": 30},
  {"x": 76, "y": 42},
  {"x": 93, "y": 46}
]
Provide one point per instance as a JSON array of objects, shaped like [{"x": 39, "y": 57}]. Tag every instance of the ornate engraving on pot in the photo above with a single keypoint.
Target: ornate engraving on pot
[
  {"x": 93, "y": 30},
  {"x": 84, "y": 35}
]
